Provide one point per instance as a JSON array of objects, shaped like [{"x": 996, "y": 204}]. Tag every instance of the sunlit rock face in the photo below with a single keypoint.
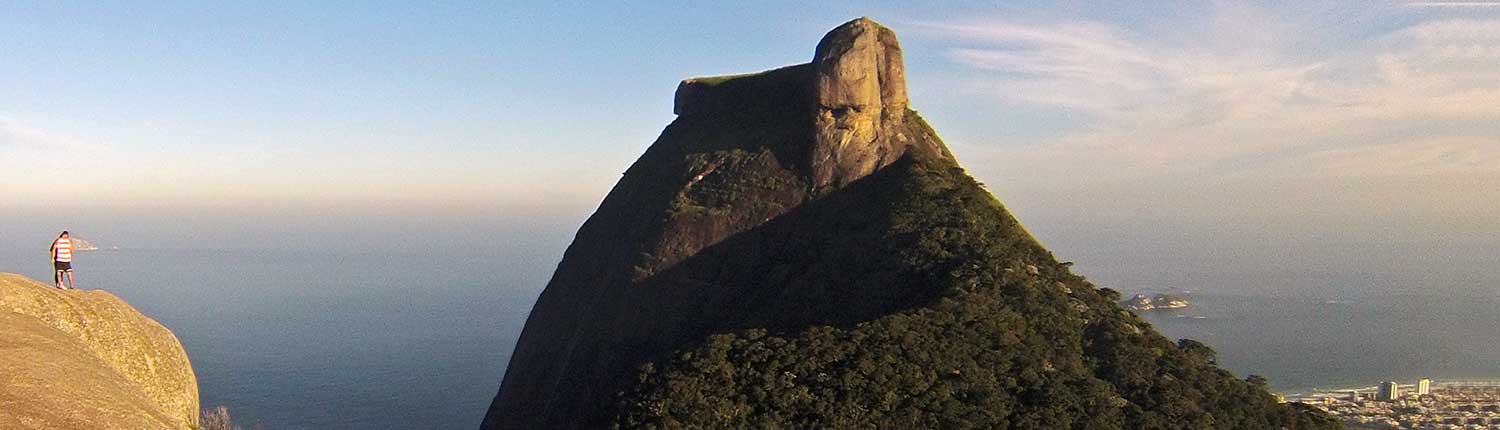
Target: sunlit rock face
[
  {"x": 859, "y": 103},
  {"x": 88, "y": 360}
]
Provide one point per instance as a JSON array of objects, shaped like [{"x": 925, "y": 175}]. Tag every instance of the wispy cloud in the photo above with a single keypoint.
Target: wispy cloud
[
  {"x": 14, "y": 133},
  {"x": 1407, "y": 100},
  {"x": 1476, "y": 155},
  {"x": 1452, "y": 4}
]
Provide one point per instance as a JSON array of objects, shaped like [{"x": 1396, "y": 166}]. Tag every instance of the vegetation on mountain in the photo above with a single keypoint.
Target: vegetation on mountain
[{"x": 1006, "y": 337}]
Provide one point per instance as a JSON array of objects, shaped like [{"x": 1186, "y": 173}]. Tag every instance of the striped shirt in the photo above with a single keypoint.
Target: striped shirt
[{"x": 62, "y": 250}]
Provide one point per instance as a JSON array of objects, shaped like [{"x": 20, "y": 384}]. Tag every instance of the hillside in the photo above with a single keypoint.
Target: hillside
[
  {"x": 87, "y": 360},
  {"x": 800, "y": 250},
  {"x": 996, "y": 334}
]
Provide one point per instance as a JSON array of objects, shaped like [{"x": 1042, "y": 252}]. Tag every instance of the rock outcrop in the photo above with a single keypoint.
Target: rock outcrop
[
  {"x": 88, "y": 360},
  {"x": 1143, "y": 302},
  {"x": 800, "y": 250},
  {"x": 860, "y": 101}
]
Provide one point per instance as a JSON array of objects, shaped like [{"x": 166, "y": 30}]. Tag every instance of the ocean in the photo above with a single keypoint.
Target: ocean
[
  {"x": 1307, "y": 344},
  {"x": 329, "y": 340},
  {"x": 377, "y": 340}
]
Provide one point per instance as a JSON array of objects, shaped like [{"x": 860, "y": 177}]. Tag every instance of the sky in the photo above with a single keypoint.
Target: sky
[{"x": 1333, "y": 147}]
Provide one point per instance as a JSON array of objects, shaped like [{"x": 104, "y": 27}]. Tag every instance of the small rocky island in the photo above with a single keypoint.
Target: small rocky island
[
  {"x": 81, "y": 244},
  {"x": 1143, "y": 302}
]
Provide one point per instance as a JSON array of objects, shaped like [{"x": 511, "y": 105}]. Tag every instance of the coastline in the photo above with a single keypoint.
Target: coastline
[{"x": 1320, "y": 392}]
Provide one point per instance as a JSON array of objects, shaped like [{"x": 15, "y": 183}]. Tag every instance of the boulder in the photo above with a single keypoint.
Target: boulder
[{"x": 87, "y": 360}]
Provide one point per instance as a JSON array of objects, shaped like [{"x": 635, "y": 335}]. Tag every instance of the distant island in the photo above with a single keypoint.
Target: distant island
[
  {"x": 1142, "y": 302},
  {"x": 81, "y": 244}
]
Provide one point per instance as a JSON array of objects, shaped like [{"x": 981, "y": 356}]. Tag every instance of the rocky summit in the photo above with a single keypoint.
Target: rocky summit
[
  {"x": 87, "y": 360},
  {"x": 800, "y": 250}
]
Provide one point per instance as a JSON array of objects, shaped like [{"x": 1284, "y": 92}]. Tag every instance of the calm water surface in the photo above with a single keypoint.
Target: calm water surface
[
  {"x": 1303, "y": 344},
  {"x": 328, "y": 340},
  {"x": 314, "y": 340}
]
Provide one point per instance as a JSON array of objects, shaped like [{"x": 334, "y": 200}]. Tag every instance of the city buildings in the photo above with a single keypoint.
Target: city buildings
[
  {"x": 1449, "y": 405},
  {"x": 1388, "y": 391}
]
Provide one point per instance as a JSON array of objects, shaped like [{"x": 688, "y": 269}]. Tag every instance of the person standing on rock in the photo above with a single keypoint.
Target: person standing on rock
[{"x": 62, "y": 259}]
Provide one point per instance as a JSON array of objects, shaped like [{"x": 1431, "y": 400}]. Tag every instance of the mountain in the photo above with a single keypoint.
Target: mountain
[
  {"x": 87, "y": 360},
  {"x": 800, "y": 250}
]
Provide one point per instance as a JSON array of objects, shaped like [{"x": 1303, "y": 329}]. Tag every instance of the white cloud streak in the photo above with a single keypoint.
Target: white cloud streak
[
  {"x": 1453, "y": 4},
  {"x": 14, "y": 133},
  {"x": 1423, "y": 98}
]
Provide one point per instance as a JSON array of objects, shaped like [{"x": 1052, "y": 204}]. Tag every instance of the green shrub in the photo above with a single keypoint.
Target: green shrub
[{"x": 216, "y": 419}]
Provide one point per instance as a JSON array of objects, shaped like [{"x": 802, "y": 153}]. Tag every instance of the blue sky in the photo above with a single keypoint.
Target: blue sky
[{"x": 1103, "y": 127}]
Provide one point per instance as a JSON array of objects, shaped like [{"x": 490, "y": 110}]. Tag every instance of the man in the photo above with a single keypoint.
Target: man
[{"x": 62, "y": 259}]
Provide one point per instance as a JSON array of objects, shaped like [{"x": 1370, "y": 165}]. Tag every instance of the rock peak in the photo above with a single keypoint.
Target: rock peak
[
  {"x": 855, "y": 88},
  {"x": 859, "y": 64},
  {"x": 859, "y": 95}
]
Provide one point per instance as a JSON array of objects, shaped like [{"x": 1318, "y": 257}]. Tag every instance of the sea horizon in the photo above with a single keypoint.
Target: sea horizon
[{"x": 413, "y": 339}]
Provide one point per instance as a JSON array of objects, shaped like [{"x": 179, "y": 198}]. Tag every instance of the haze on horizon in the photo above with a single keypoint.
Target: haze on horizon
[{"x": 1313, "y": 148}]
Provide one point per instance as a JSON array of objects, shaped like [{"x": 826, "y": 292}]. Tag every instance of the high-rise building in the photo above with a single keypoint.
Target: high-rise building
[
  {"x": 1389, "y": 391},
  {"x": 1424, "y": 387}
]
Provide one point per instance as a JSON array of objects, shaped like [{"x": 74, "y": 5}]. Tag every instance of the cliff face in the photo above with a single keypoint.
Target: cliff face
[
  {"x": 87, "y": 360},
  {"x": 799, "y": 250},
  {"x": 860, "y": 103}
]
